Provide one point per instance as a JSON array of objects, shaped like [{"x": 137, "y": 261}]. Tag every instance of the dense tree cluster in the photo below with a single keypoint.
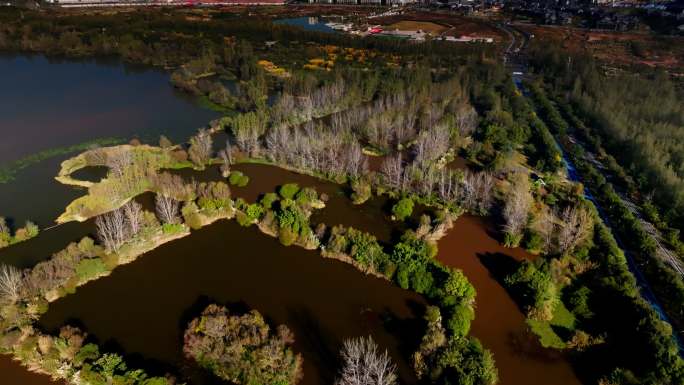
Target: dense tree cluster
[
  {"x": 637, "y": 118},
  {"x": 242, "y": 348},
  {"x": 442, "y": 359}
]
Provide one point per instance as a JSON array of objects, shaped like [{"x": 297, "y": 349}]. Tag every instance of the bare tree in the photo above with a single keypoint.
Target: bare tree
[
  {"x": 200, "y": 147},
  {"x": 576, "y": 226},
  {"x": 119, "y": 161},
  {"x": 517, "y": 206},
  {"x": 4, "y": 229},
  {"x": 432, "y": 144},
  {"x": 393, "y": 170},
  {"x": 11, "y": 283},
  {"x": 226, "y": 156},
  {"x": 134, "y": 216},
  {"x": 112, "y": 229},
  {"x": 167, "y": 209},
  {"x": 172, "y": 185},
  {"x": 545, "y": 224},
  {"x": 466, "y": 119},
  {"x": 476, "y": 191},
  {"x": 364, "y": 364}
]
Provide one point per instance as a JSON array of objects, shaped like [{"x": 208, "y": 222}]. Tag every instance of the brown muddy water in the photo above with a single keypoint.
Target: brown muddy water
[
  {"x": 12, "y": 373},
  {"x": 142, "y": 308},
  {"x": 499, "y": 323}
]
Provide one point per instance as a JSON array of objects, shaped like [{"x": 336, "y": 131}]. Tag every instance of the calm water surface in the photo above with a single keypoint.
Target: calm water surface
[
  {"x": 142, "y": 308},
  {"x": 47, "y": 104}
]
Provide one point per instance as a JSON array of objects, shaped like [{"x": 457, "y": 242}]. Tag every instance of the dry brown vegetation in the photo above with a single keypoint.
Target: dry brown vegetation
[{"x": 616, "y": 49}]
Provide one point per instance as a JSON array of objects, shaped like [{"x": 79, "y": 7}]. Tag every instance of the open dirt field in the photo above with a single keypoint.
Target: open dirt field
[
  {"x": 426, "y": 26},
  {"x": 620, "y": 49}
]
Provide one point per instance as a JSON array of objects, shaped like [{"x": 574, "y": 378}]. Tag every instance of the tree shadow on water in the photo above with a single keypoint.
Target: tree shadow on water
[
  {"x": 152, "y": 367},
  {"x": 310, "y": 337},
  {"x": 407, "y": 331},
  {"x": 499, "y": 265}
]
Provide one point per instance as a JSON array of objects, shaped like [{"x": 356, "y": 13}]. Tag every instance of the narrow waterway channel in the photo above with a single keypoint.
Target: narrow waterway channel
[{"x": 499, "y": 323}]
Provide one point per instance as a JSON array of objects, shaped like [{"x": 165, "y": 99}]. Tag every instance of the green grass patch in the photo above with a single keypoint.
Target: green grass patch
[
  {"x": 9, "y": 171},
  {"x": 173, "y": 228},
  {"x": 562, "y": 317},
  {"x": 204, "y": 102},
  {"x": 90, "y": 268},
  {"x": 547, "y": 337},
  {"x": 563, "y": 322}
]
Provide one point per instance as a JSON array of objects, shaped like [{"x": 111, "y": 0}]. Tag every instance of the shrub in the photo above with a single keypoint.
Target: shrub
[
  {"x": 254, "y": 211},
  {"x": 243, "y": 219},
  {"x": 172, "y": 228},
  {"x": 459, "y": 320},
  {"x": 268, "y": 199},
  {"x": 403, "y": 209},
  {"x": 578, "y": 299},
  {"x": 89, "y": 352},
  {"x": 90, "y": 268},
  {"x": 237, "y": 178},
  {"x": 287, "y": 236},
  {"x": 533, "y": 242},
  {"x": 288, "y": 191},
  {"x": 421, "y": 280},
  {"x": 362, "y": 191},
  {"x": 306, "y": 196},
  {"x": 458, "y": 287},
  {"x": 512, "y": 240}
]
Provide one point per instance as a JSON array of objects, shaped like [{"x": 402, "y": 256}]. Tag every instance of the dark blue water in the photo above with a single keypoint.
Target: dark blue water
[
  {"x": 308, "y": 23},
  {"x": 47, "y": 104}
]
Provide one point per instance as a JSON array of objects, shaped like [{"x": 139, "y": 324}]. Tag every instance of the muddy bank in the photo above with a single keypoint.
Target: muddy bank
[{"x": 15, "y": 374}]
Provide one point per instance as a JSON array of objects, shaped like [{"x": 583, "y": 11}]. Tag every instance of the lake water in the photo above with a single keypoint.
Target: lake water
[{"x": 47, "y": 104}]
